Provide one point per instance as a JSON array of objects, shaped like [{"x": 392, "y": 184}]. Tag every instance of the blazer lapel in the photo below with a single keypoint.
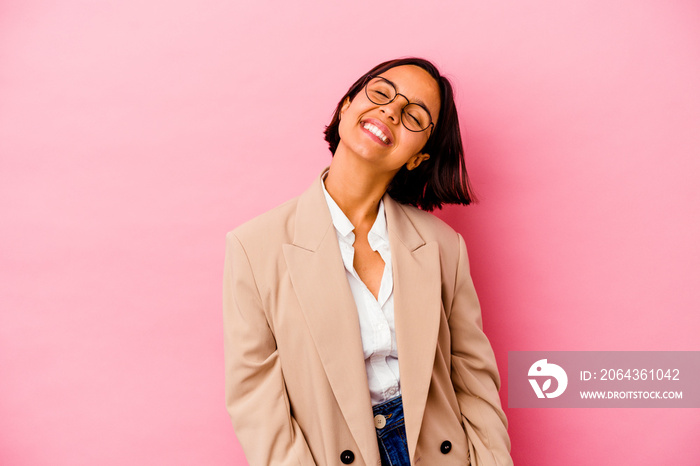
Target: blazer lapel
[
  {"x": 417, "y": 297},
  {"x": 318, "y": 275}
]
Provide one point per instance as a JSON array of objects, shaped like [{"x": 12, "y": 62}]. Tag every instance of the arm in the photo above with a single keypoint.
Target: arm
[
  {"x": 256, "y": 397},
  {"x": 475, "y": 375}
]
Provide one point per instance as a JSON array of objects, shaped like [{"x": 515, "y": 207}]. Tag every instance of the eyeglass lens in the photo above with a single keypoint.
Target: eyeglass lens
[{"x": 413, "y": 116}]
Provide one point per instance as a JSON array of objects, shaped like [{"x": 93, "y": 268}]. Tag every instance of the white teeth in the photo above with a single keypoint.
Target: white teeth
[{"x": 377, "y": 132}]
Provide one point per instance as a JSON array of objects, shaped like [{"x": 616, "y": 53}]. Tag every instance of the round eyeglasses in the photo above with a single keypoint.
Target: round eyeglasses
[{"x": 414, "y": 116}]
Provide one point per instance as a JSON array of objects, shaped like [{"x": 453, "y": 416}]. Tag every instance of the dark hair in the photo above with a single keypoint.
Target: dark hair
[{"x": 442, "y": 179}]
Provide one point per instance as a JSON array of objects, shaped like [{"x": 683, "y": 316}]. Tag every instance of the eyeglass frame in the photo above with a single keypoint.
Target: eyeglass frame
[{"x": 408, "y": 102}]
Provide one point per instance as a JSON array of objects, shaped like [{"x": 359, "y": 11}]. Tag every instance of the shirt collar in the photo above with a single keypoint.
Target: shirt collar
[{"x": 378, "y": 235}]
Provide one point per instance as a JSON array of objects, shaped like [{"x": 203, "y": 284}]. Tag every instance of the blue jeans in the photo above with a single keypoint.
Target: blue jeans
[{"x": 391, "y": 433}]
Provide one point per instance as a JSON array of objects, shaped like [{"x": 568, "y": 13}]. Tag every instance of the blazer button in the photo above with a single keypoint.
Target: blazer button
[
  {"x": 347, "y": 457},
  {"x": 446, "y": 447}
]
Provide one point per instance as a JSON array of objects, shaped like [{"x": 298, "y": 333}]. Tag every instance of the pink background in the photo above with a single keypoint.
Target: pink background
[{"x": 134, "y": 134}]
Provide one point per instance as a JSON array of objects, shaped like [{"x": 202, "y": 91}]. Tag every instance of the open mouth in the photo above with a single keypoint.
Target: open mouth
[{"x": 377, "y": 132}]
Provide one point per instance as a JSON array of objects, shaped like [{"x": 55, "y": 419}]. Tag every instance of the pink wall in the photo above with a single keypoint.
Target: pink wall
[{"x": 133, "y": 135}]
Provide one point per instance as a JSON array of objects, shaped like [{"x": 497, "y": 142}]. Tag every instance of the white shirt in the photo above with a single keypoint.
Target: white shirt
[{"x": 376, "y": 315}]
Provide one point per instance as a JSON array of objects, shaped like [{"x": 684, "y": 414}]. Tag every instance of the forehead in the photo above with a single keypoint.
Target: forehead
[{"x": 417, "y": 85}]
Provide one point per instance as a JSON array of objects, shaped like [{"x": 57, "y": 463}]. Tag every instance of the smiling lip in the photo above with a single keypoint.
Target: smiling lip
[{"x": 378, "y": 130}]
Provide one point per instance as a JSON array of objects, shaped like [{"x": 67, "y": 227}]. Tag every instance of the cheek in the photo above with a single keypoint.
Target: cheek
[
  {"x": 349, "y": 115},
  {"x": 416, "y": 141},
  {"x": 345, "y": 127},
  {"x": 343, "y": 123},
  {"x": 351, "y": 110}
]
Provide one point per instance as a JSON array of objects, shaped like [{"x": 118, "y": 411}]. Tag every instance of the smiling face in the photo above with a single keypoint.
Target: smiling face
[{"x": 375, "y": 134}]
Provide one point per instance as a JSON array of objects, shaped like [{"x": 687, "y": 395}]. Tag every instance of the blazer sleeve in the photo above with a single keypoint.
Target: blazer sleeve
[
  {"x": 475, "y": 375},
  {"x": 256, "y": 397}
]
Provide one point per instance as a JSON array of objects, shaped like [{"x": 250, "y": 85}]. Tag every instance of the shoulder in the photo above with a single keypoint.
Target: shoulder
[
  {"x": 256, "y": 247},
  {"x": 275, "y": 226}
]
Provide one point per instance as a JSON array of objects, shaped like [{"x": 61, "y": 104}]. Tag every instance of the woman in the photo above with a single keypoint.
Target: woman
[{"x": 352, "y": 330}]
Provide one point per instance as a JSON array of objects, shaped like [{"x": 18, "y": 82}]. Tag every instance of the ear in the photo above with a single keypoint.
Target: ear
[
  {"x": 346, "y": 104},
  {"x": 416, "y": 160}
]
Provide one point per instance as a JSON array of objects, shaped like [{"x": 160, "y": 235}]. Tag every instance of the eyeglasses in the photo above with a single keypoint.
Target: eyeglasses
[{"x": 414, "y": 116}]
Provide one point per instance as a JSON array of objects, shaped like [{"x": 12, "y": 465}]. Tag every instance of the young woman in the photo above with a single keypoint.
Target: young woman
[{"x": 352, "y": 330}]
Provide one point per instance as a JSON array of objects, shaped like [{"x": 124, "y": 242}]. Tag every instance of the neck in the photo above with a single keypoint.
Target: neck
[{"x": 356, "y": 188}]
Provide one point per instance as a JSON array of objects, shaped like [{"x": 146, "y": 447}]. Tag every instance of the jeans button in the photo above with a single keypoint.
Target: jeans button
[{"x": 379, "y": 421}]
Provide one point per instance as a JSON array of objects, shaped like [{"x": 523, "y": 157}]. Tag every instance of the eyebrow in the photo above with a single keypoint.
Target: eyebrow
[{"x": 415, "y": 101}]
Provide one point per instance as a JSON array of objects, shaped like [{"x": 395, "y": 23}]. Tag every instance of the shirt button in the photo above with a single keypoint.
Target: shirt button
[{"x": 379, "y": 421}]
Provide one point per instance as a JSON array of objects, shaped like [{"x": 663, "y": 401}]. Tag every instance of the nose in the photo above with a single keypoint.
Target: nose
[{"x": 394, "y": 108}]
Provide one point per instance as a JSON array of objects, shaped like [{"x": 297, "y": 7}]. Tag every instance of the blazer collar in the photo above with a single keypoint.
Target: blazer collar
[
  {"x": 400, "y": 225},
  {"x": 417, "y": 311},
  {"x": 313, "y": 219},
  {"x": 318, "y": 276}
]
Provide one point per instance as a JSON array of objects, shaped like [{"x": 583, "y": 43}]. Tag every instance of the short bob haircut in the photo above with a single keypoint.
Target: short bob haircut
[{"x": 442, "y": 179}]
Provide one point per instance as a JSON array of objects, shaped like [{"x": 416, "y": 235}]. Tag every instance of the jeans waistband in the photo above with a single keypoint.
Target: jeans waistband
[{"x": 392, "y": 410}]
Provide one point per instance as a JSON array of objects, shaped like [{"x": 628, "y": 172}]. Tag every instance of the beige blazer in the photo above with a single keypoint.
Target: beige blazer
[{"x": 296, "y": 386}]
